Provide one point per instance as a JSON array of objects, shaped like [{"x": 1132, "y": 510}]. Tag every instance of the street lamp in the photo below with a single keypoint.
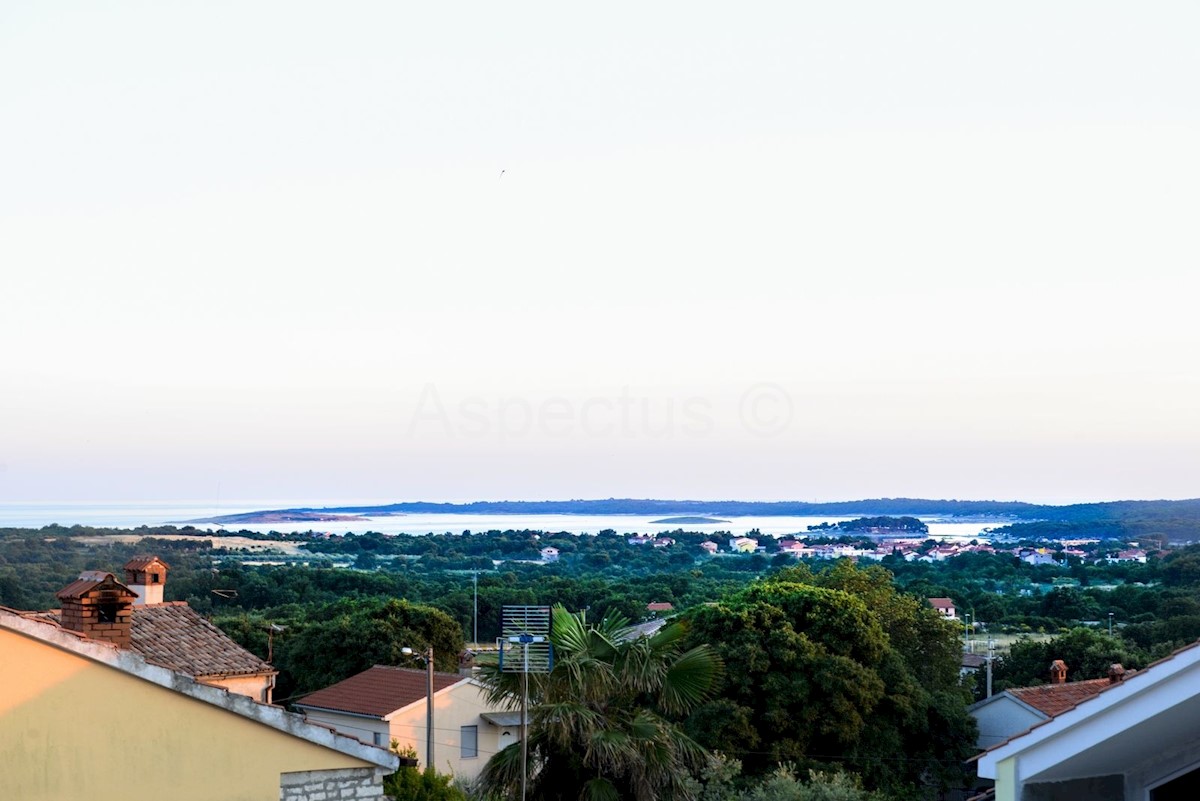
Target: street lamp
[
  {"x": 1110, "y": 617},
  {"x": 428, "y": 657}
]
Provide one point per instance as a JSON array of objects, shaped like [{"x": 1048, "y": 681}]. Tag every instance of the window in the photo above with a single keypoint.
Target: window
[
  {"x": 106, "y": 612},
  {"x": 153, "y": 578},
  {"x": 469, "y": 742},
  {"x": 380, "y": 738}
]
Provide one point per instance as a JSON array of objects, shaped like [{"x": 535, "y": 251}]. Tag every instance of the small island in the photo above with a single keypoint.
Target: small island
[
  {"x": 876, "y": 526},
  {"x": 690, "y": 521}
]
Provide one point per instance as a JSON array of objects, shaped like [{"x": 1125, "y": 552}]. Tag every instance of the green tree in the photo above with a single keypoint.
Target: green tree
[
  {"x": 835, "y": 668},
  {"x": 601, "y": 722},
  {"x": 412, "y": 784},
  {"x": 341, "y": 639}
]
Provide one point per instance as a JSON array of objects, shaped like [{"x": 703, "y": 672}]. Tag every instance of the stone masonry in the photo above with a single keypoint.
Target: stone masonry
[{"x": 349, "y": 784}]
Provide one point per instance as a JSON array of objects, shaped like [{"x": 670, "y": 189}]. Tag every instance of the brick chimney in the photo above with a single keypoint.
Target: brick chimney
[
  {"x": 146, "y": 575},
  {"x": 98, "y": 606},
  {"x": 1116, "y": 673},
  {"x": 1058, "y": 672}
]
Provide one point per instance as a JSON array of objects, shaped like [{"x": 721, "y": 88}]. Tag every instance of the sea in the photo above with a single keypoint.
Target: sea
[{"x": 133, "y": 514}]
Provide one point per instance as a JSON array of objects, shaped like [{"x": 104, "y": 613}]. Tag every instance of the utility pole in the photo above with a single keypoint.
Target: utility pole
[
  {"x": 1110, "y": 617},
  {"x": 427, "y": 655},
  {"x": 429, "y": 708},
  {"x": 991, "y": 654},
  {"x": 475, "y": 617}
]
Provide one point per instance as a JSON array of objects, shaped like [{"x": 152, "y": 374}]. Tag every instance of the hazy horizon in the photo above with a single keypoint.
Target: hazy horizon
[{"x": 679, "y": 250}]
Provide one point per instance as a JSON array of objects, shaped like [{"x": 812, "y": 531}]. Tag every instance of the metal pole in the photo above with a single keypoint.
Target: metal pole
[
  {"x": 1110, "y": 614},
  {"x": 429, "y": 708},
  {"x": 524, "y": 724},
  {"x": 991, "y": 655},
  {"x": 475, "y": 581}
]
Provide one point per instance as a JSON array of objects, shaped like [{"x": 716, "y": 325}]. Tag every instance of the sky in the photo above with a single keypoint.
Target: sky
[{"x": 539, "y": 250}]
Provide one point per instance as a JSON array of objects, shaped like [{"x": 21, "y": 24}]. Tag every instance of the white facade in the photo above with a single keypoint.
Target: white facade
[{"x": 1001, "y": 717}]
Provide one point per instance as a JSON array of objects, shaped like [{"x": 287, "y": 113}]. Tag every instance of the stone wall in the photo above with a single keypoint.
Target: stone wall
[{"x": 349, "y": 784}]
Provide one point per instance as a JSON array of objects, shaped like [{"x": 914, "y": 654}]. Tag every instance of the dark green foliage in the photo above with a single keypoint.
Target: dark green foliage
[
  {"x": 1088, "y": 654},
  {"x": 835, "y": 667},
  {"x": 325, "y": 644}
]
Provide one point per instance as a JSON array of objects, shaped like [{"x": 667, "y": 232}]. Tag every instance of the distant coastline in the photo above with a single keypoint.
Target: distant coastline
[
  {"x": 689, "y": 521},
  {"x": 279, "y": 516},
  {"x": 1010, "y": 511}
]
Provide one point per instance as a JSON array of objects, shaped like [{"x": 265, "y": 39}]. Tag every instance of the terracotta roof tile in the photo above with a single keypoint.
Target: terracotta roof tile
[
  {"x": 175, "y": 636},
  {"x": 1054, "y": 699},
  {"x": 378, "y": 691},
  {"x": 143, "y": 561}
]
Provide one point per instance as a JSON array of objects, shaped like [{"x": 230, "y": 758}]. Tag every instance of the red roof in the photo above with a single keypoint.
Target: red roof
[
  {"x": 378, "y": 691},
  {"x": 659, "y": 606},
  {"x": 941, "y": 603},
  {"x": 144, "y": 561},
  {"x": 1054, "y": 699}
]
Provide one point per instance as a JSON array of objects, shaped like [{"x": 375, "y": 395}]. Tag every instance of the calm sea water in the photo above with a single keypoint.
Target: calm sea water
[{"x": 134, "y": 514}]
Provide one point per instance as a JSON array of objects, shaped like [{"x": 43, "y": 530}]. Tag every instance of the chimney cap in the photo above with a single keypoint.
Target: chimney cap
[{"x": 90, "y": 580}]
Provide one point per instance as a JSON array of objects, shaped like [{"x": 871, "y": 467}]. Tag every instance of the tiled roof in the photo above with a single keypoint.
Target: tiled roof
[
  {"x": 973, "y": 660},
  {"x": 175, "y": 636},
  {"x": 941, "y": 603},
  {"x": 144, "y": 561},
  {"x": 378, "y": 691},
  {"x": 89, "y": 580},
  {"x": 1054, "y": 699}
]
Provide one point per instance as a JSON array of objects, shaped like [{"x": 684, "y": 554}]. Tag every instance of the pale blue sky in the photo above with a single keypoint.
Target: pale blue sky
[{"x": 771, "y": 250}]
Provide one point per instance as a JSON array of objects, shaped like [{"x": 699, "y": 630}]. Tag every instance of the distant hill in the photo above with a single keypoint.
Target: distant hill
[{"x": 1177, "y": 521}]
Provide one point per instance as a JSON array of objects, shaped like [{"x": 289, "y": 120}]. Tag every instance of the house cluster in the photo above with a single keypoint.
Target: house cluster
[
  {"x": 653, "y": 542},
  {"x": 117, "y": 683},
  {"x": 914, "y": 550}
]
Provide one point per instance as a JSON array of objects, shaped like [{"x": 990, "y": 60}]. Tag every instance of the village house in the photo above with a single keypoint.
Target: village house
[
  {"x": 743, "y": 544},
  {"x": 133, "y": 616},
  {"x": 945, "y": 607},
  {"x": 549, "y": 554},
  {"x": 660, "y": 607},
  {"x": 84, "y": 717},
  {"x": 1133, "y": 740},
  {"x": 710, "y": 547},
  {"x": 1017, "y": 709},
  {"x": 386, "y": 703}
]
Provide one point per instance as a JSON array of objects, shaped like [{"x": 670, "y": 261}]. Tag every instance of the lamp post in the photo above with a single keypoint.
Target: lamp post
[
  {"x": 1110, "y": 617},
  {"x": 428, "y": 657}
]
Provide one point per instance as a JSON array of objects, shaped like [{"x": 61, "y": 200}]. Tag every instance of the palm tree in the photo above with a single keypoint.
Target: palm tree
[{"x": 601, "y": 723}]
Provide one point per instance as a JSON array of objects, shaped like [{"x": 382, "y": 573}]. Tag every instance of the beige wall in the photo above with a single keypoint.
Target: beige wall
[
  {"x": 457, "y": 706},
  {"x": 256, "y": 687},
  {"x": 74, "y": 728},
  {"x": 363, "y": 728}
]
